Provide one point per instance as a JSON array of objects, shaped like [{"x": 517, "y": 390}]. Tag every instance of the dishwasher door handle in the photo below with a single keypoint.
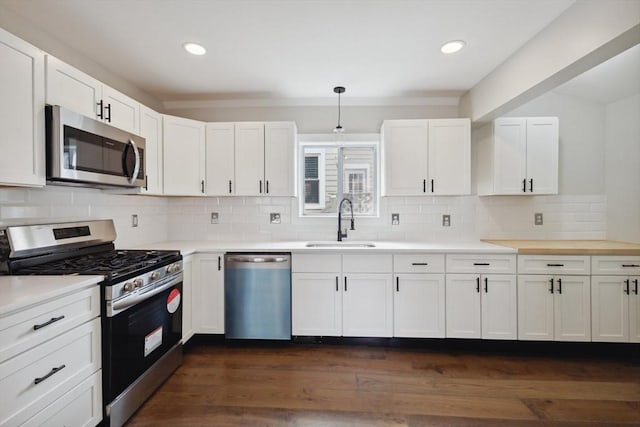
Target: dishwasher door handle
[{"x": 257, "y": 259}]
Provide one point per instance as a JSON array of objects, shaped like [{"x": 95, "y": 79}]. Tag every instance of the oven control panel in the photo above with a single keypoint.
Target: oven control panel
[{"x": 142, "y": 282}]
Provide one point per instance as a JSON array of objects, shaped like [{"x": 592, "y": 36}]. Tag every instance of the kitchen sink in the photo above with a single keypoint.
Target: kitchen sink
[{"x": 340, "y": 245}]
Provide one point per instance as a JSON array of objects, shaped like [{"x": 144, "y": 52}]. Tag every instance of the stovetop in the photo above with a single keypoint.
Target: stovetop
[{"x": 114, "y": 264}]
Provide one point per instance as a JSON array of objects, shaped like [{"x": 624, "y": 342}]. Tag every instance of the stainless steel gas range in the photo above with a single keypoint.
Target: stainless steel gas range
[{"x": 141, "y": 302}]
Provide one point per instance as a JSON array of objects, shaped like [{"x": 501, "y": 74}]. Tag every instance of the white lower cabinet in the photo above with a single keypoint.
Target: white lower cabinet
[
  {"x": 187, "y": 294},
  {"x": 554, "y": 307},
  {"x": 419, "y": 306},
  {"x": 348, "y": 295},
  {"x": 208, "y": 293}
]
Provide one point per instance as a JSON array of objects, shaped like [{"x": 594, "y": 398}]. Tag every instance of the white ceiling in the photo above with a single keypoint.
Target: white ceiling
[
  {"x": 611, "y": 81},
  {"x": 275, "y": 49}
]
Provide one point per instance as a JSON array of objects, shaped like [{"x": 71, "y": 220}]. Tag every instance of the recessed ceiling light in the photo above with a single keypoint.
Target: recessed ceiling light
[
  {"x": 194, "y": 48},
  {"x": 453, "y": 46}
]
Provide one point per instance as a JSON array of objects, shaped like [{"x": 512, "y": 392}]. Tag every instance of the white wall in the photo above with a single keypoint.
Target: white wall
[
  {"x": 623, "y": 169},
  {"x": 60, "y": 203}
]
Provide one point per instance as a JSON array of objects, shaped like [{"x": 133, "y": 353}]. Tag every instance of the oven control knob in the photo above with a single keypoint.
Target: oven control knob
[
  {"x": 154, "y": 275},
  {"x": 128, "y": 287},
  {"x": 167, "y": 269},
  {"x": 138, "y": 283}
]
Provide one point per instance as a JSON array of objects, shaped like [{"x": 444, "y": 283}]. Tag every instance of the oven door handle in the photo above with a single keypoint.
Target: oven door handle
[{"x": 129, "y": 301}]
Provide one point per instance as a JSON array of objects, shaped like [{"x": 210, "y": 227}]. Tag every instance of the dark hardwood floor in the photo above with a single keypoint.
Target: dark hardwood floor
[{"x": 225, "y": 384}]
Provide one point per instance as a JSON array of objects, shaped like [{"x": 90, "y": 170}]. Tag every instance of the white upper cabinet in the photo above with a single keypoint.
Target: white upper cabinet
[
  {"x": 220, "y": 158},
  {"x": 426, "y": 157},
  {"x": 251, "y": 159},
  {"x": 79, "y": 92},
  {"x": 21, "y": 112},
  {"x": 518, "y": 156},
  {"x": 184, "y": 156},
  {"x": 151, "y": 131}
]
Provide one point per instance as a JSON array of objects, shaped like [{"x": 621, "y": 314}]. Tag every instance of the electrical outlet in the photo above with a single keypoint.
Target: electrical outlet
[
  {"x": 134, "y": 220},
  {"x": 274, "y": 218},
  {"x": 446, "y": 220},
  {"x": 537, "y": 218},
  {"x": 395, "y": 219},
  {"x": 214, "y": 217}
]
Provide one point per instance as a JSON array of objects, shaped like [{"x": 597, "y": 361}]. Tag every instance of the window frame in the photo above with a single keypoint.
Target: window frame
[
  {"x": 320, "y": 154},
  {"x": 318, "y": 141}
]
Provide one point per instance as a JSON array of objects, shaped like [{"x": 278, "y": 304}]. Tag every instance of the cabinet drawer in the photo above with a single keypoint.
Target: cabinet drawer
[
  {"x": 316, "y": 263},
  {"x": 77, "y": 352},
  {"x": 615, "y": 265},
  {"x": 379, "y": 263},
  {"x": 418, "y": 263},
  {"x": 550, "y": 264},
  {"x": 82, "y": 406},
  {"x": 479, "y": 264},
  {"x": 26, "y": 329}
]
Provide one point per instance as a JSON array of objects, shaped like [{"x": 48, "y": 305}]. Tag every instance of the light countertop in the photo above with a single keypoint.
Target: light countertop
[
  {"x": 190, "y": 247},
  {"x": 570, "y": 247},
  {"x": 19, "y": 292}
]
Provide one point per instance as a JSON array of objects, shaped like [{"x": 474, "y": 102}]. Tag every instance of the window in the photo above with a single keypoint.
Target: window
[{"x": 332, "y": 171}]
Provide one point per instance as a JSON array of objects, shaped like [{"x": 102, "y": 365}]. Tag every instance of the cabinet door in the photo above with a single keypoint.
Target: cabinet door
[
  {"x": 572, "y": 308},
  {"x": 249, "y": 159},
  {"x": 367, "y": 305},
  {"x": 535, "y": 307},
  {"x": 609, "y": 309},
  {"x": 463, "y": 306},
  {"x": 71, "y": 88},
  {"x": 404, "y": 156},
  {"x": 220, "y": 159},
  {"x": 183, "y": 156},
  {"x": 21, "y": 112},
  {"x": 449, "y": 157},
  {"x": 120, "y": 110},
  {"x": 279, "y": 158},
  {"x": 316, "y": 304},
  {"x": 510, "y": 139},
  {"x": 418, "y": 306},
  {"x": 187, "y": 298},
  {"x": 634, "y": 309},
  {"x": 499, "y": 307},
  {"x": 208, "y": 294},
  {"x": 542, "y": 155},
  {"x": 151, "y": 130}
]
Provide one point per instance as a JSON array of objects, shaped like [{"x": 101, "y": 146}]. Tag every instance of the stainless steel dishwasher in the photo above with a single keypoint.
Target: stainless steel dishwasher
[{"x": 257, "y": 296}]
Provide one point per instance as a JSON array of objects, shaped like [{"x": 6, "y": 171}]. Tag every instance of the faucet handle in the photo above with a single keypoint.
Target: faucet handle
[{"x": 353, "y": 224}]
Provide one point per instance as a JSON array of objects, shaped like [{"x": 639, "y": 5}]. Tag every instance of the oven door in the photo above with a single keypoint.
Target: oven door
[{"x": 135, "y": 337}]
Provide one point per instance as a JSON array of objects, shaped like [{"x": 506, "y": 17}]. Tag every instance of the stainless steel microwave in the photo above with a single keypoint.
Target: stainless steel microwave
[{"x": 81, "y": 150}]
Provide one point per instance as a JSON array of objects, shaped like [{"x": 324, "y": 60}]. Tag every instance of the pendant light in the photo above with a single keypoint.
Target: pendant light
[{"x": 339, "y": 90}]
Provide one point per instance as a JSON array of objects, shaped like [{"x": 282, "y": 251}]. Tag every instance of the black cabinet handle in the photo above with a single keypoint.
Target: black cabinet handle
[
  {"x": 345, "y": 283},
  {"x": 397, "y": 284},
  {"x": 51, "y": 372},
  {"x": 551, "y": 285},
  {"x": 419, "y": 263},
  {"x": 146, "y": 182},
  {"x": 524, "y": 185},
  {"x": 531, "y": 185},
  {"x": 47, "y": 323},
  {"x": 202, "y": 186},
  {"x": 424, "y": 185},
  {"x": 260, "y": 186},
  {"x": 626, "y": 286},
  {"x": 219, "y": 263},
  {"x": 229, "y": 186},
  {"x": 432, "y": 186},
  {"x": 630, "y": 265},
  {"x": 635, "y": 286},
  {"x": 481, "y": 263},
  {"x": 477, "y": 284},
  {"x": 267, "y": 184},
  {"x": 100, "y": 112},
  {"x": 559, "y": 286},
  {"x": 555, "y": 265},
  {"x": 337, "y": 289},
  {"x": 107, "y": 109},
  {"x": 486, "y": 285}
]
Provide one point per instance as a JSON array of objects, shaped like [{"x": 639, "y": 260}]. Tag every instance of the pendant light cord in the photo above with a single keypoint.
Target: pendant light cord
[{"x": 338, "y": 108}]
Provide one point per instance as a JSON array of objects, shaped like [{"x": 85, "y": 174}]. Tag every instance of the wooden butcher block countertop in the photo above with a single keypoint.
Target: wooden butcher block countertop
[{"x": 569, "y": 247}]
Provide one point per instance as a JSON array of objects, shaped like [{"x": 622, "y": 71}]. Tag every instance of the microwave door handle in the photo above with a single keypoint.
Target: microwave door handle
[{"x": 136, "y": 167}]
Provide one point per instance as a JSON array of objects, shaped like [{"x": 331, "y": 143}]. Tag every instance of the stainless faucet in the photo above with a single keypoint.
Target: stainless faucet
[{"x": 353, "y": 227}]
